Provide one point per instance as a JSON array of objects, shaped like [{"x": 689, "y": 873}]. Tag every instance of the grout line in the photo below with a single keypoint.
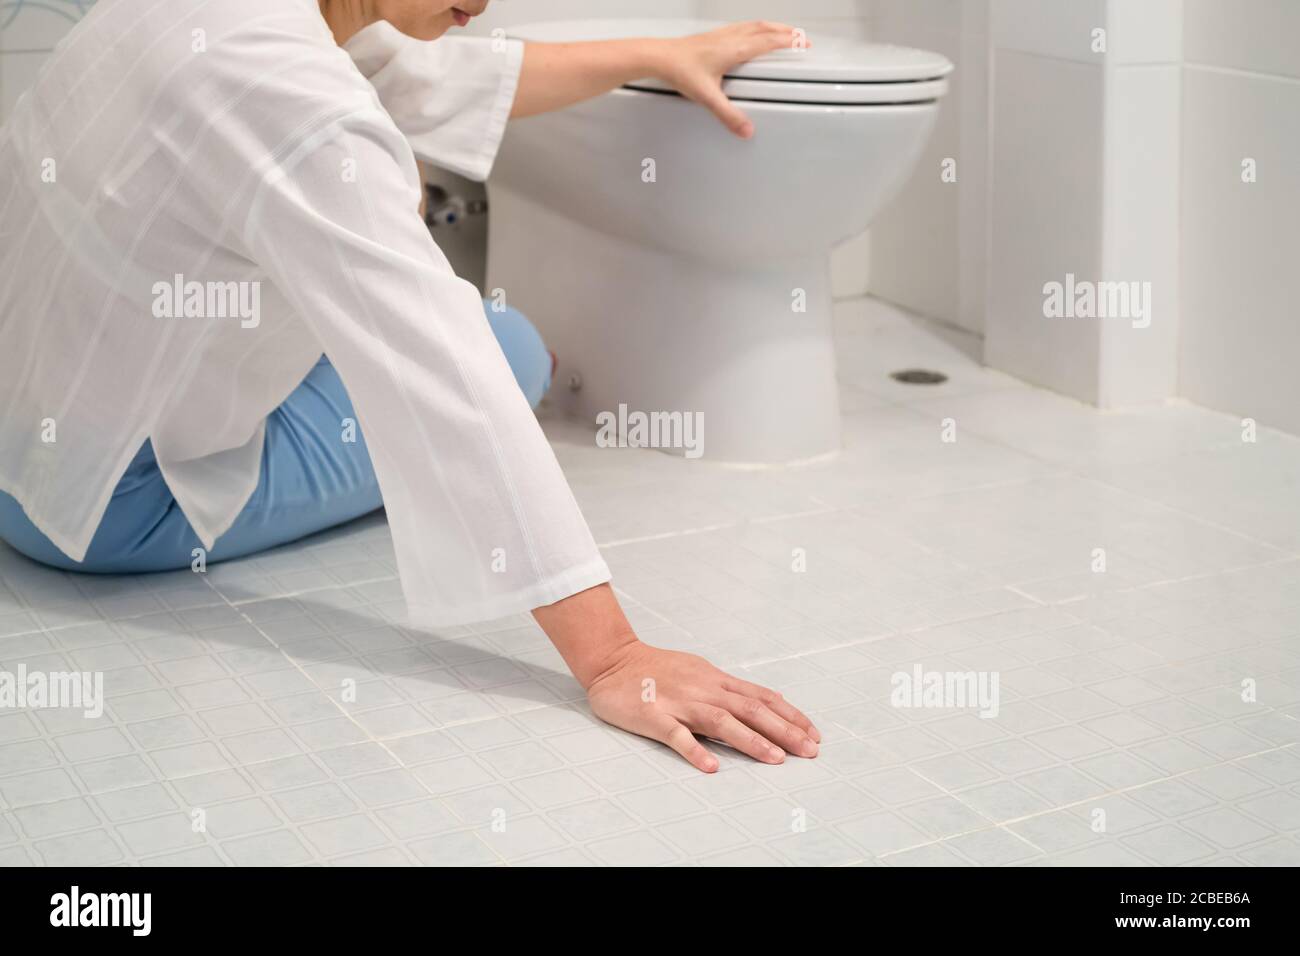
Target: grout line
[
  {"x": 722, "y": 526},
  {"x": 1005, "y": 824}
]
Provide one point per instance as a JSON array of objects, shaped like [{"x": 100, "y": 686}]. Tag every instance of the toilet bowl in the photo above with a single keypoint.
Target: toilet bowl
[{"x": 678, "y": 269}]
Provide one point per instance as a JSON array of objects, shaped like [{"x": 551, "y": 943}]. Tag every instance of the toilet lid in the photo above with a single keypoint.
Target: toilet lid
[{"x": 831, "y": 70}]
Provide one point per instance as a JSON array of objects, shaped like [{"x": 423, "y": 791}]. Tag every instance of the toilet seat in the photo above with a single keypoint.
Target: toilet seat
[
  {"x": 818, "y": 93},
  {"x": 832, "y": 71}
]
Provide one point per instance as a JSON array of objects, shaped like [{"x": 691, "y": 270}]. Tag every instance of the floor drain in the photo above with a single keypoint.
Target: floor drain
[{"x": 919, "y": 376}]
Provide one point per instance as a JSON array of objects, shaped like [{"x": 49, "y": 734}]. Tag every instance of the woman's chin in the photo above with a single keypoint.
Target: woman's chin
[{"x": 429, "y": 30}]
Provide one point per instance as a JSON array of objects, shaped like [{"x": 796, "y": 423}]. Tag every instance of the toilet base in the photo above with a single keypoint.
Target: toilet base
[{"x": 747, "y": 351}]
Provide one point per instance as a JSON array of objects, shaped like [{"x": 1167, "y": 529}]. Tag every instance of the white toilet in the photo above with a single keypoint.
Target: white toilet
[{"x": 675, "y": 268}]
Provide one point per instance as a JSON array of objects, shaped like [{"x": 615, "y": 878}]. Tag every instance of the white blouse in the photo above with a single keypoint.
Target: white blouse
[{"x": 197, "y": 199}]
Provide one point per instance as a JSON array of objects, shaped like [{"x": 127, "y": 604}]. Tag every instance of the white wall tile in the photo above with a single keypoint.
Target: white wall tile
[
  {"x": 1144, "y": 31},
  {"x": 787, "y": 11},
  {"x": 916, "y": 238},
  {"x": 974, "y": 62},
  {"x": 838, "y": 18},
  {"x": 1241, "y": 242},
  {"x": 1056, "y": 28},
  {"x": 929, "y": 251},
  {"x": 1140, "y": 233},
  {"x": 916, "y": 241},
  {"x": 533, "y": 11},
  {"x": 1046, "y": 216},
  {"x": 1257, "y": 35},
  {"x": 1110, "y": 151},
  {"x": 851, "y": 268}
]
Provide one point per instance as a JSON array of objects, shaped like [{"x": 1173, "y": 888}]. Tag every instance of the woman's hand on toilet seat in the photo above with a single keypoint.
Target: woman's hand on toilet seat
[
  {"x": 695, "y": 65},
  {"x": 556, "y": 75}
]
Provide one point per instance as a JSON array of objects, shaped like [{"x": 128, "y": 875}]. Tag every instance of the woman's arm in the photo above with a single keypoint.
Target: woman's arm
[{"x": 556, "y": 75}]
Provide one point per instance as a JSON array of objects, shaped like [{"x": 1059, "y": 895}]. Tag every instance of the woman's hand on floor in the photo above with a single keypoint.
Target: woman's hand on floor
[
  {"x": 670, "y": 697},
  {"x": 695, "y": 65},
  {"x": 666, "y": 695}
]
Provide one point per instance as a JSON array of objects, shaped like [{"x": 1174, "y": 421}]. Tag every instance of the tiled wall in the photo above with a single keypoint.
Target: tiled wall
[
  {"x": 1084, "y": 182},
  {"x": 1048, "y": 95},
  {"x": 1241, "y": 241},
  {"x": 531, "y": 11},
  {"x": 1128, "y": 166},
  {"x": 927, "y": 247},
  {"x": 835, "y": 17}
]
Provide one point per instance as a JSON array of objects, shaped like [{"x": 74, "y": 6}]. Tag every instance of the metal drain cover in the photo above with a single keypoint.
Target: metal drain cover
[{"x": 919, "y": 376}]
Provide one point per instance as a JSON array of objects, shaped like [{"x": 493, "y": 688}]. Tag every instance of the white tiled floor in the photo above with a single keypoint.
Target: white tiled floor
[{"x": 1121, "y": 692}]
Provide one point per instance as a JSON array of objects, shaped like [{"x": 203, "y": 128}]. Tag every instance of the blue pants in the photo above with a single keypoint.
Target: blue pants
[{"x": 310, "y": 480}]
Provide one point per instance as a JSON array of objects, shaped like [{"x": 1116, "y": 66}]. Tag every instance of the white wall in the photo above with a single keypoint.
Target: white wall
[
  {"x": 1128, "y": 166},
  {"x": 1084, "y": 182},
  {"x": 1241, "y": 241},
  {"x": 1048, "y": 106},
  {"x": 531, "y": 11},
  {"x": 845, "y": 18},
  {"x": 928, "y": 246}
]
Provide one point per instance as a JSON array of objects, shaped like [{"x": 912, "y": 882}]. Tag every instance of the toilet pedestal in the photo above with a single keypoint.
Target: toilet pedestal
[{"x": 747, "y": 348}]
